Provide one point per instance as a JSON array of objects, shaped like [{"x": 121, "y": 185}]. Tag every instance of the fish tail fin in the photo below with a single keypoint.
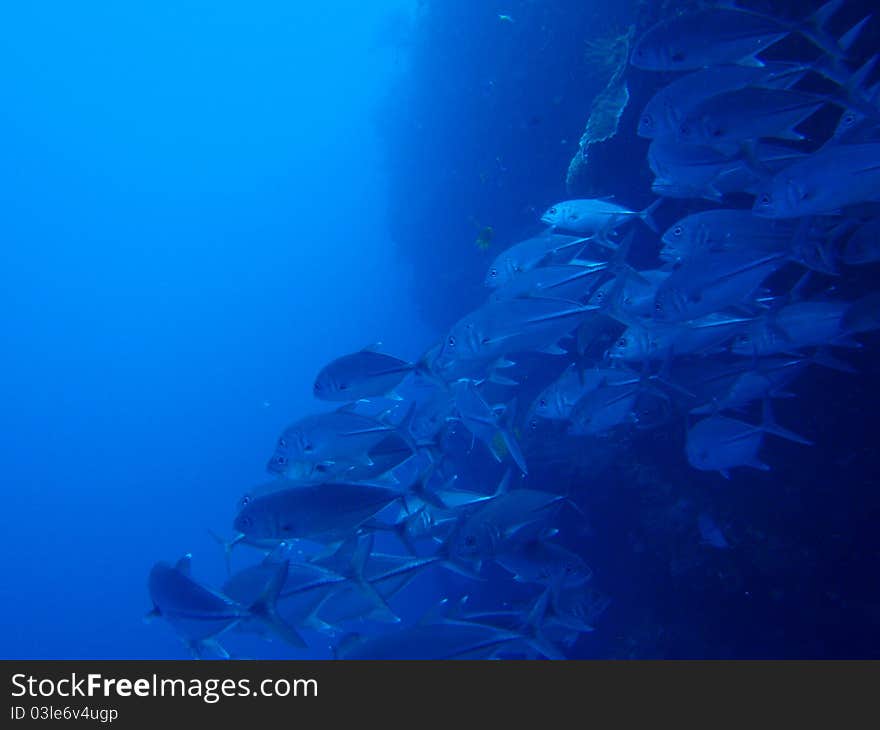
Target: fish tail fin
[
  {"x": 769, "y": 425},
  {"x": 398, "y": 529},
  {"x": 861, "y": 75},
  {"x": 513, "y": 449},
  {"x": 825, "y": 12},
  {"x": 264, "y": 608},
  {"x": 359, "y": 558},
  {"x": 814, "y": 30},
  {"x": 824, "y": 358},
  {"x": 508, "y": 438},
  {"x": 647, "y": 215},
  {"x": 534, "y": 637},
  {"x": 848, "y": 39},
  {"x": 227, "y": 548}
]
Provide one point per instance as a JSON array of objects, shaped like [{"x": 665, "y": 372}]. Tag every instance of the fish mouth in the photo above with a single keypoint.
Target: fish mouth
[{"x": 546, "y": 219}]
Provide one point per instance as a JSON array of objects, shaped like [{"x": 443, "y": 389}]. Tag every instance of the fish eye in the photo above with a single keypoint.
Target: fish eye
[
  {"x": 282, "y": 442},
  {"x": 658, "y": 306},
  {"x": 552, "y": 211},
  {"x": 245, "y": 501},
  {"x": 533, "y": 424},
  {"x": 308, "y": 447},
  {"x": 647, "y": 120},
  {"x": 451, "y": 341},
  {"x": 281, "y": 460},
  {"x": 677, "y": 231},
  {"x": 765, "y": 199},
  {"x": 621, "y": 342},
  {"x": 246, "y": 523},
  {"x": 343, "y": 386},
  {"x": 685, "y": 129},
  {"x": 543, "y": 403},
  {"x": 493, "y": 273},
  {"x": 849, "y": 119}
]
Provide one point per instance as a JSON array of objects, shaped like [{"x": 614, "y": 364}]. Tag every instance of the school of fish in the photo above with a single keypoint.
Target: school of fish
[{"x": 767, "y": 225}]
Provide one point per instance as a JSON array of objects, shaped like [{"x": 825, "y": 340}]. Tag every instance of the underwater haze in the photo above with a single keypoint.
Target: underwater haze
[
  {"x": 440, "y": 329},
  {"x": 194, "y": 221}
]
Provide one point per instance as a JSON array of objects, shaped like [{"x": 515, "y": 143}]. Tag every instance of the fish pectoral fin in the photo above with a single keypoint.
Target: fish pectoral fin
[
  {"x": 184, "y": 565},
  {"x": 205, "y": 648},
  {"x": 264, "y": 609}
]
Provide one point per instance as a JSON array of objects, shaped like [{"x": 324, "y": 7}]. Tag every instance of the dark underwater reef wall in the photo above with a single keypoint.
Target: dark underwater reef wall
[
  {"x": 480, "y": 130},
  {"x": 485, "y": 117}
]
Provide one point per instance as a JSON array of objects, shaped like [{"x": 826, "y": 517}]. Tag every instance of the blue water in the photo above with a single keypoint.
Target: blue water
[
  {"x": 194, "y": 221},
  {"x": 204, "y": 202}
]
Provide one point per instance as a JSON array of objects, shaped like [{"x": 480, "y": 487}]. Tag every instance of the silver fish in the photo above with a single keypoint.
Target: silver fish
[
  {"x": 562, "y": 281},
  {"x": 719, "y": 443},
  {"x": 725, "y": 120},
  {"x": 509, "y": 326},
  {"x": 364, "y": 374},
  {"x": 341, "y": 437},
  {"x": 319, "y": 512},
  {"x": 595, "y": 217},
  {"x": 668, "y": 108},
  {"x": 823, "y": 183},
  {"x": 483, "y": 422},
  {"x": 722, "y": 35},
  {"x": 199, "y": 614},
  {"x": 794, "y": 326},
  {"x": 711, "y": 281},
  {"x": 548, "y": 247}
]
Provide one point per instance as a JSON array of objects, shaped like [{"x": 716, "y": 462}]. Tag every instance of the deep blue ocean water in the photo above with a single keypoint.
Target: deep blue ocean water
[{"x": 204, "y": 202}]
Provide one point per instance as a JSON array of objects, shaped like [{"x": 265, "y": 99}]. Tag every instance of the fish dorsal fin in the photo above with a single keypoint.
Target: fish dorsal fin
[
  {"x": 344, "y": 553},
  {"x": 535, "y": 619},
  {"x": 184, "y": 565},
  {"x": 503, "y": 485},
  {"x": 361, "y": 553},
  {"x": 373, "y": 347}
]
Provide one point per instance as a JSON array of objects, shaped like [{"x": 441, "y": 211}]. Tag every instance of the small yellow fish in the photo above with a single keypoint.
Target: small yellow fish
[
  {"x": 500, "y": 446},
  {"x": 484, "y": 238}
]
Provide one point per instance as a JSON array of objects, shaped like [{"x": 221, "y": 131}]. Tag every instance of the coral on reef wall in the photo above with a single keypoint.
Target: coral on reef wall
[{"x": 610, "y": 53}]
